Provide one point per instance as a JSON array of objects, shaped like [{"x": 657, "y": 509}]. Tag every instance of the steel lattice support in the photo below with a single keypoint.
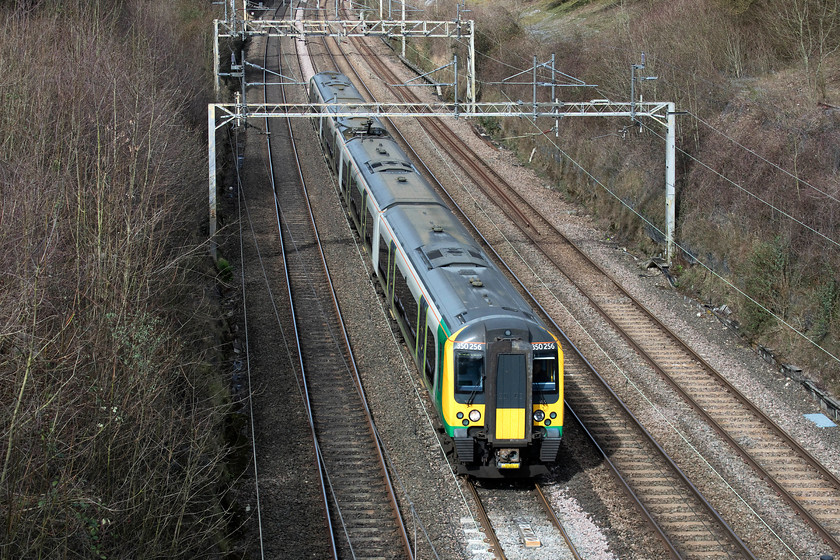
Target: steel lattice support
[{"x": 390, "y": 29}]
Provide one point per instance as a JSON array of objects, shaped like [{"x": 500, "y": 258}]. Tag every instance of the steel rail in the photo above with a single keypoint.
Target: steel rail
[
  {"x": 381, "y": 461},
  {"x": 305, "y": 391},
  {"x": 484, "y": 519},
  {"x": 554, "y": 519},
  {"x": 780, "y": 489}
]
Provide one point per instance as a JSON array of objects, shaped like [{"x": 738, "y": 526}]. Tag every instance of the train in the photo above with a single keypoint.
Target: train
[{"x": 492, "y": 369}]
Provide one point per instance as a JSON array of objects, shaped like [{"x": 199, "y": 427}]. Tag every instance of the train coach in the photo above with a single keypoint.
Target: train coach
[{"x": 492, "y": 369}]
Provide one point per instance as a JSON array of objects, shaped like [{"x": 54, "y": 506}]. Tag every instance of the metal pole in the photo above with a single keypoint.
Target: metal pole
[
  {"x": 403, "y": 28},
  {"x": 557, "y": 120},
  {"x": 455, "y": 57},
  {"x": 472, "y": 66},
  {"x": 242, "y": 81},
  {"x": 552, "y": 75},
  {"x": 670, "y": 183},
  {"x": 535, "y": 88},
  {"x": 216, "y": 84},
  {"x": 633, "y": 92},
  {"x": 211, "y": 156}
]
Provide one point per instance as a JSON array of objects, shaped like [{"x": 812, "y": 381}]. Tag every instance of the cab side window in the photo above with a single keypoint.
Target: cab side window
[{"x": 430, "y": 356}]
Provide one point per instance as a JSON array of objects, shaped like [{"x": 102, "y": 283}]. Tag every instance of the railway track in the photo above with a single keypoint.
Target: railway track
[
  {"x": 360, "y": 504},
  {"x": 519, "y": 522},
  {"x": 558, "y": 545},
  {"x": 806, "y": 485}
]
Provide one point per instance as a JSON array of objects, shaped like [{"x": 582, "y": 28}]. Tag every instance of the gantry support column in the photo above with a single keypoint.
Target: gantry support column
[{"x": 670, "y": 183}]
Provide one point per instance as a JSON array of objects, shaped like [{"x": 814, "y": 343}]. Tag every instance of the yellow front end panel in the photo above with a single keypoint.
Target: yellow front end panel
[{"x": 510, "y": 423}]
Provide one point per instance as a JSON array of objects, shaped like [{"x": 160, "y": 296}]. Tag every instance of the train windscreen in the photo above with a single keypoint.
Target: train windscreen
[
  {"x": 469, "y": 375},
  {"x": 545, "y": 371}
]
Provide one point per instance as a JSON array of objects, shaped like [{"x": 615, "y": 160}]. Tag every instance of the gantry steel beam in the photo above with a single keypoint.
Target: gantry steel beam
[
  {"x": 603, "y": 108},
  {"x": 349, "y": 28},
  {"x": 462, "y": 30}
]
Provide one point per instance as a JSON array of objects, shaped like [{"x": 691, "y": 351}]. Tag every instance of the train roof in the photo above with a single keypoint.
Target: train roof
[
  {"x": 389, "y": 174},
  {"x": 465, "y": 285},
  {"x": 337, "y": 88},
  {"x": 461, "y": 279}
]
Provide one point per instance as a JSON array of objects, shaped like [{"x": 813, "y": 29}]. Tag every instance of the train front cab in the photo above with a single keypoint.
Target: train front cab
[{"x": 502, "y": 397}]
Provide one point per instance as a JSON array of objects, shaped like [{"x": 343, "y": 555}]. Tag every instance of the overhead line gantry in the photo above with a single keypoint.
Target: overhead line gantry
[{"x": 462, "y": 30}]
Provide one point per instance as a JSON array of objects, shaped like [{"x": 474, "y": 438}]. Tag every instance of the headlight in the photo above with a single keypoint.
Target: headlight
[
  {"x": 475, "y": 416},
  {"x": 539, "y": 416}
]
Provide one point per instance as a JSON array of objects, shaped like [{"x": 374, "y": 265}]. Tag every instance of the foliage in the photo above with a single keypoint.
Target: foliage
[
  {"x": 110, "y": 440},
  {"x": 808, "y": 30},
  {"x": 767, "y": 279},
  {"x": 225, "y": 270},
  {"x": 827, "y": 299}
]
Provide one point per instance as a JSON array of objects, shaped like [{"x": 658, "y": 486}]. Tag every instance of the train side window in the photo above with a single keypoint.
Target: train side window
[
  {"x": 406, "y": 307},
  {"x": 421, "y": 321},
  {"x": 368, "y": 227},
  {"x": 411, "y": 315},
  {"x": 355, "y": 201},
  {"x": 384, "y": 254},
  {"x": 327, "y": 139},
  {"x": 430, "y": 356},
  {"x": 348, "y": 168},
  {"x": 392, "y": 272},
  {"x": 411, "y": 311}
]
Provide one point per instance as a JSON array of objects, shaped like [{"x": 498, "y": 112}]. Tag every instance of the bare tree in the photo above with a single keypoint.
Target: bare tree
[{"x": 809, "y": 30}]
